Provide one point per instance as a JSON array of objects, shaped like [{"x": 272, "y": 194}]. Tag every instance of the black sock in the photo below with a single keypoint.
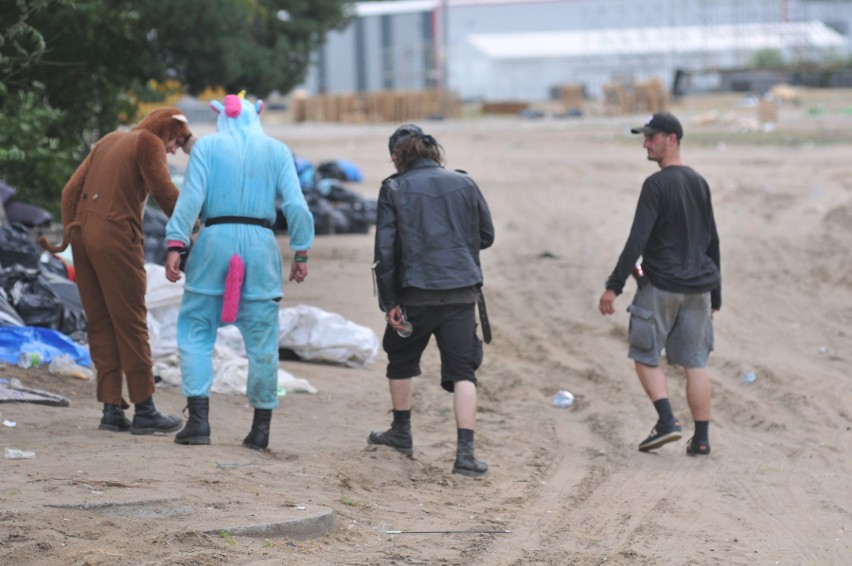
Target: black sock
[
  {"x": 402, "y": 419},
  {"x": 701, "y": 430},
  {"x": 664, "y": 410},
  {"x": 465, "y": 436}
]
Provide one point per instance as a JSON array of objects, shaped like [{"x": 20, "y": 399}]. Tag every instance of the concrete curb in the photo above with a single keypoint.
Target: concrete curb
[
  {"x": 313, "y": 523},
  {"x": 299, "y": 523}
]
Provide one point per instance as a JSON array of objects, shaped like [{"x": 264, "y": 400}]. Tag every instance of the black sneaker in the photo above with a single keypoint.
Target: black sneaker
[
  {"x": 394, "y": 438},
  {"x": 697, "y": 448},
  {"x": 661, "y": 435}
]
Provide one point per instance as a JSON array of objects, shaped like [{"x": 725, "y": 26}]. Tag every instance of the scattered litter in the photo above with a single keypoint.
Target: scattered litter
[
  {"x": 46, "y": 342},
  {"x": 15, "y": 454},
  {"x": 29, "y": 360},
  {"x": 563, "y": 399},
  {"x": 310, "y": 333},
  {"x": 231, "y": 465},
  {"x": 9, "y": 424},
  {"x": 823, "y": 349},
  {"x": 748, "y": 377},
  {"x": 65, "y": 365},
  {"x": 11, "y": 390}
]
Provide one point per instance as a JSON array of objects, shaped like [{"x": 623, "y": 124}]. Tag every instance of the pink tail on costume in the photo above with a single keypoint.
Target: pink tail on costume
[{"x": 233, "y": 283}]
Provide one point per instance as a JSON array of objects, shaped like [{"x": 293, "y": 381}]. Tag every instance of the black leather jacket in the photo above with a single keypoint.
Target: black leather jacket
[{"x": 430, "y": 227}]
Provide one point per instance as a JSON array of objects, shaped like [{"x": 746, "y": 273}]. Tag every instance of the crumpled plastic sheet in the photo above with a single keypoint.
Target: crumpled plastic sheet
[
  {"x": 231, "y": 373},
  {"x": 45, "y": 342},
  {"x": 312, "y": 333}
]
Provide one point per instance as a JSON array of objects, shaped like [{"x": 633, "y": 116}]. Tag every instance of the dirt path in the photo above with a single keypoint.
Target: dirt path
[{"x": 568, "y": 483}]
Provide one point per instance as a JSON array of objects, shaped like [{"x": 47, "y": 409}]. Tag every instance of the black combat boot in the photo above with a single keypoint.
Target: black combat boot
[
  {"x": 148, "y": 420},
  {"x": 466, "y": 463},
  {"x": 114, "y": 419},
  {"x": 398, "y": 436},
  {"x": 258, "y": 437},
  {"x": 197, "y": 428}
]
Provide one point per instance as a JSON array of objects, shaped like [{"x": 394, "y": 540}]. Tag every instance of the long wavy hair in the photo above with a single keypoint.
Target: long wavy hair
[{"x": 417, "y": 147}]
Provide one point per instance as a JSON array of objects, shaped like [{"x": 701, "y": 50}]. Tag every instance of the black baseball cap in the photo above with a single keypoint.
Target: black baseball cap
[
  {"x": 661, "y": 122},
  {"x": 403, "y": 132}
]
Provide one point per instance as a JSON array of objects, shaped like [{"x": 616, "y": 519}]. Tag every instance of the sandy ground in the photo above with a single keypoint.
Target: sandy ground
[{"x": 569, "y": 484}]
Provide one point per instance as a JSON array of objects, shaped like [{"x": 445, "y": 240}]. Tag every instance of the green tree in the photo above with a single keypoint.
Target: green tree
[
  {"x": 257, "y": 45},
  {"x": 32, "y": 153},
  {"x": 71, "y": 70}
]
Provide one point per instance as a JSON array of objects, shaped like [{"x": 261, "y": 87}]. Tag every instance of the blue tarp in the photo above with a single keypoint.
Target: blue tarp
[
  {"x": 46, "y": 342},
  {"x": 353, "y": 173}
]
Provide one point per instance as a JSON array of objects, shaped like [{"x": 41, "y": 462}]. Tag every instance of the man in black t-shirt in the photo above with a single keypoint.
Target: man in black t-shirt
[{"x": 674, "y": 233}]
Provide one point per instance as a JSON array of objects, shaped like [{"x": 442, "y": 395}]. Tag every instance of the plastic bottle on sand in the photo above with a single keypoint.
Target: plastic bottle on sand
[
  {"x": 29, "y": 360},
  {"x": 563, "y": 399}
]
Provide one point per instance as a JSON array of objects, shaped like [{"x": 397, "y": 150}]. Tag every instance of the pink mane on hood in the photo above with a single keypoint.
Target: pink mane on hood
[{"x": 233, "y": 105}]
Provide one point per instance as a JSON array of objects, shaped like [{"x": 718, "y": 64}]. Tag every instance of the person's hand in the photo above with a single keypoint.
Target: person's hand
[
  {"x": 607, "y": 302},
  {"x": 173, "y": 267},
  {"x": 298, "y": 271},
  {"x": 395, "y": 317}
]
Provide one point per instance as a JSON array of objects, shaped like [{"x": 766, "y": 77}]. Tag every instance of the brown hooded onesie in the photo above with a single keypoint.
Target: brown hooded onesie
[{"x": 106, "y": 197}]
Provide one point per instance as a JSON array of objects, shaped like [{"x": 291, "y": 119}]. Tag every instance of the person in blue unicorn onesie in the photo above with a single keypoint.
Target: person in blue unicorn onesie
[{"x": 233, "y": 275}]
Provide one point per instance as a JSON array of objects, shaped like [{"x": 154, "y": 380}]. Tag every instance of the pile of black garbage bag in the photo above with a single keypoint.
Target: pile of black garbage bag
[
  {"x": 37, "y": 287},
  {"x": 336, "y": 208},
  {"x": 22, "y": 212}
]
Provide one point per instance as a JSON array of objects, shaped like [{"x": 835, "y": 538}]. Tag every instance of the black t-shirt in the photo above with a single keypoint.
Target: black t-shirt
[{"x": 674, "y": 231}]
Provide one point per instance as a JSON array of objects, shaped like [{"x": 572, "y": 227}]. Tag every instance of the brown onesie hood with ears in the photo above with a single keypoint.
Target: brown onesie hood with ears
[
  {"x": 165, "y": 123},
  {"x": 129, "y": 166}
]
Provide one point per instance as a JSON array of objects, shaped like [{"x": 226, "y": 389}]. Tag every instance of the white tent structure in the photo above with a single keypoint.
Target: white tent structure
[{"x": 526, "y": 66}]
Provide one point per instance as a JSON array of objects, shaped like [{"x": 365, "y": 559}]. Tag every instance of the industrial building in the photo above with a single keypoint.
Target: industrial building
[{"x": 523, "y": 50}]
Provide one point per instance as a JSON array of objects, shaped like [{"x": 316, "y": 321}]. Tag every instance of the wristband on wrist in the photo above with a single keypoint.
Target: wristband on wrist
[
  {"x": 179, "y": 249},
  {"x": 301, "y": 257}
]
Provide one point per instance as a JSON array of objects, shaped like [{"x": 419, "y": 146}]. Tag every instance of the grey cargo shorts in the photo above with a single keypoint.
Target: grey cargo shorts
[{"x": 680, "y": 323}]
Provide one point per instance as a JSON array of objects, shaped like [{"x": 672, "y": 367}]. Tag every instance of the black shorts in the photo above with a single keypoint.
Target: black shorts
[{"x": 454, "y": 327}]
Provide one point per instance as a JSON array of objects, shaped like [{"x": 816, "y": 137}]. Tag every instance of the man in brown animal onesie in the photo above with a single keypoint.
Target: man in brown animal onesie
[{"x": 102, "y": 207}]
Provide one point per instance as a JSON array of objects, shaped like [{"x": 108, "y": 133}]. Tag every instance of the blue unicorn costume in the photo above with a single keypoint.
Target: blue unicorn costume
[{"x": 232, "y": 182}]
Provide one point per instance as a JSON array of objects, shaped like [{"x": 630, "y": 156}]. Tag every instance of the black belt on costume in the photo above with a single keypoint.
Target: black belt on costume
[{"x": 238, "y": 220}]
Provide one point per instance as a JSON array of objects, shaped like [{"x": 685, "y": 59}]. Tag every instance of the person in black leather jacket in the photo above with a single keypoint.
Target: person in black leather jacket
[{"x": 431, "y": 225}]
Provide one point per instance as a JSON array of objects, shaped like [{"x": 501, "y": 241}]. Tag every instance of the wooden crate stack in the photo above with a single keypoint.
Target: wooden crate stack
[
  {"x": 571, "y": 97},
  {"x": 643, "y": 97},
  {"x": 650, "y": 96},
  {"x": 380, "y": 106},
  {"x": 504, "y": 107}
]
